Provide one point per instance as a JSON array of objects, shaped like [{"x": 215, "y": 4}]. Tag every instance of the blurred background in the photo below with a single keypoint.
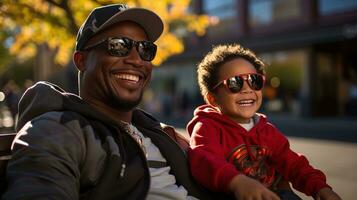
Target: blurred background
[{"x": 310, "y": 47}]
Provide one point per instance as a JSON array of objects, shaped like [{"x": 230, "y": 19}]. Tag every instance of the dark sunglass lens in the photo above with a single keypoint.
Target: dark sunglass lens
[
  {"x": 256, "y": 81},
  {"x": 147, "y": 50},
  {"x": 235, "y": 84},
  {"x": 119, "y": 46}
]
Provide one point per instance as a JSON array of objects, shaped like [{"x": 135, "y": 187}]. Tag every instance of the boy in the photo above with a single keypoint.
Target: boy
[{"x": 233, "y": 148}]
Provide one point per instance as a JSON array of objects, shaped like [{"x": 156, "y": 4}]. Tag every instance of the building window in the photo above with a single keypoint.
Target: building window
[
  {"x": 264, "y": 12},
  {"x": 327, "y": 7},
  {"x": 222, "y": 9},
  {"x": 226, "y": 12}
]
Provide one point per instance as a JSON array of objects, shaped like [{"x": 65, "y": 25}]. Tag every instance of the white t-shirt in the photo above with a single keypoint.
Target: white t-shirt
[
  {"x": 249, "y": 125},
  {"x": 163, "y": 184}
]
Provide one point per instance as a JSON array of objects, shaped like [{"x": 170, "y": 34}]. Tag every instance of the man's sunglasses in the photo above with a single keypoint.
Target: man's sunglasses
[
  {"x": 235, "y": 83},
  {"x": 122, "y": 46}
]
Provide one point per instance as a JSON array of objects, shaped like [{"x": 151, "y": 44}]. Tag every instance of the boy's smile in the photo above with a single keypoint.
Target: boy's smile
[
  {"x": 240, "y": 106},
  {"x": 247, "y": 102}
]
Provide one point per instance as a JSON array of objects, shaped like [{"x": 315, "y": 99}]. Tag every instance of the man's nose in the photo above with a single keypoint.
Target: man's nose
[{"x": 134, "y": 58}]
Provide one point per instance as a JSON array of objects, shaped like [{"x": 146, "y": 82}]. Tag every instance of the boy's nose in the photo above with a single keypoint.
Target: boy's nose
[{"x": 246, "y": 88}]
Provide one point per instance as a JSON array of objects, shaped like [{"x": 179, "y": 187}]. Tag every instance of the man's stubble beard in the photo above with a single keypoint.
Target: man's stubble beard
[{"x": 124, "y": 105}]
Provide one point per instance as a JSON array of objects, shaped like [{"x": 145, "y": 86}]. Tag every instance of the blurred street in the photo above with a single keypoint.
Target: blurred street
[
  {"x": 309, "y": 49},
  {"x": 342, "y": 129}
]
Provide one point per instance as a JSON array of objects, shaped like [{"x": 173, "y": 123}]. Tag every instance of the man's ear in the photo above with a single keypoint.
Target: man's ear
[
  {"x": 79, "y": 60},
  {"x": 210, "y": 98}
]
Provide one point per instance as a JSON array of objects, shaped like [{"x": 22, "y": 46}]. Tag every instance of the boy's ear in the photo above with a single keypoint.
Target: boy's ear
[
  {"x": 210, "y": 98},
  {"x": 79, "y": 60}
]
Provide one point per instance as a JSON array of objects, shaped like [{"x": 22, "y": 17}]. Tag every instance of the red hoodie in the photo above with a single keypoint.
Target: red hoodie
[{"x": 221, "y": 149}]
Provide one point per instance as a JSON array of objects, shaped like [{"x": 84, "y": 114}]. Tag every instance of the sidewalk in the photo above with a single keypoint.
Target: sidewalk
[{"x": 336, "y": 159}]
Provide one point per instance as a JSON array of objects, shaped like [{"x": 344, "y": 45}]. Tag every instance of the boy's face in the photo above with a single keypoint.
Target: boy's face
[{"x": 242, "y": 105}]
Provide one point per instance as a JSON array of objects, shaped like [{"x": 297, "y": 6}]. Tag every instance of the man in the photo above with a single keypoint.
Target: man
[{"x": 99, "y": 145}]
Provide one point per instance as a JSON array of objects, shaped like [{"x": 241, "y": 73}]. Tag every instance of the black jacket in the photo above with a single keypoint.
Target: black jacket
[{"x": 65, "y": 149}]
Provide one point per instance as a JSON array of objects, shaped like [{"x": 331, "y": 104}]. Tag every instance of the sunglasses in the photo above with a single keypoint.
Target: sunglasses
[
  {"x": 122, "y": 46},
  {"x": 235, "y": 83}
]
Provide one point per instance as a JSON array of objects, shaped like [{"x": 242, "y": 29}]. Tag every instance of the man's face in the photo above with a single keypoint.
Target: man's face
[{"x": 117, "y": 82}]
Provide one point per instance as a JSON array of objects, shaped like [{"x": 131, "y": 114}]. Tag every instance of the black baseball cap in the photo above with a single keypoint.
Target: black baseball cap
[{"x": 105, "y": 16}]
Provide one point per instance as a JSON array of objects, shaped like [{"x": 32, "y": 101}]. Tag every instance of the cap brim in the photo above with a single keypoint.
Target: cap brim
[{"x": 148, "y": 20}]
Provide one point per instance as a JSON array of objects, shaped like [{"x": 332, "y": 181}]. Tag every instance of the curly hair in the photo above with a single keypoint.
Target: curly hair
[{"x": 208, "y": 68}]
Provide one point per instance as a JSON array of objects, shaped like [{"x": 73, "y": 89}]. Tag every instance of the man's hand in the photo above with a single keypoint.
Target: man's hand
[
  {"x": 245, "y": 188},
  {"x": 327, "y": 194}
]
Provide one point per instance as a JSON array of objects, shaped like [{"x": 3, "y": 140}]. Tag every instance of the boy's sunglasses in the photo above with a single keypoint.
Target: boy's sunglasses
[
  {"x": 235, "y": 83},
  {"x": 121, "y": 46}
]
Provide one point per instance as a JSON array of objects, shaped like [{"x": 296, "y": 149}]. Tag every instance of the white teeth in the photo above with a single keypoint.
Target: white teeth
[
  {"x": 246, "y": 102},
  {"x": 129, "y": 77}
]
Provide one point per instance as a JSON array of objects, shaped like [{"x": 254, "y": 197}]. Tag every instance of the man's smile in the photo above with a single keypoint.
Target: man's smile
[{"x": 129, "y": 77}]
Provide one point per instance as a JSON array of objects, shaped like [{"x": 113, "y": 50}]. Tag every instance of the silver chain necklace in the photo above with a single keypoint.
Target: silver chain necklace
[{"x": 133, "y": 132}]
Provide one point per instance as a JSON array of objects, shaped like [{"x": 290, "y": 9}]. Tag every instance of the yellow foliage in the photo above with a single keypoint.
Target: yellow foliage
[
  {"x": 22, "y": 40},
  {"x": 63, "y": 55},
  {"x": 169, "y": 45},
  {"x": 38, "y": 21}
]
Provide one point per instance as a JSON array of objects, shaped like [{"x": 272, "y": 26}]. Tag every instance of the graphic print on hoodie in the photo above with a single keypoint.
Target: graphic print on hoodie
[{"x": 251, "y": 161}]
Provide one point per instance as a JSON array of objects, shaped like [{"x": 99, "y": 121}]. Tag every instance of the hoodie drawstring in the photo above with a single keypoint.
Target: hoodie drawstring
[{"x": 122, "y": 150}]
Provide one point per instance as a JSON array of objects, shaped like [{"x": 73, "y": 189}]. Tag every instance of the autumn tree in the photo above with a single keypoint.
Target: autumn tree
[{"x": 33, "y": 24}]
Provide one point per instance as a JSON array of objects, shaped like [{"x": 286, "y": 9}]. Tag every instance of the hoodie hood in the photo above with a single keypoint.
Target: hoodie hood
[
  {"x": 46, "y": 97},
  {"x": 208, "y": 111}
]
